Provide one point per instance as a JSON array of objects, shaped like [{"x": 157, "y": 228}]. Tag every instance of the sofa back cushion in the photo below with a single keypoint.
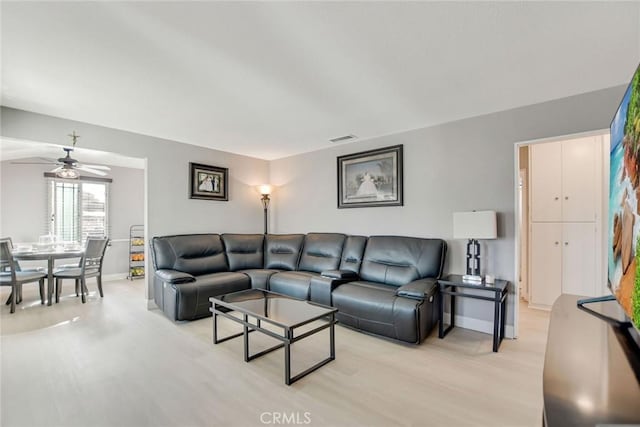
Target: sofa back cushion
[
  {"x": 399, "y": 260},
  {"x": 282, "y": 251},
  {"x": 244, "y": 251},
  {"x": 352, "y": 253},
  {"x": 321, "y": 252},
  {"x": 192, "y": 253}
]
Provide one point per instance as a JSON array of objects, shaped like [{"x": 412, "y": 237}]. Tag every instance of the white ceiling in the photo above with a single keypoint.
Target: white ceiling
[
  {"x": 21, "y": 150},
  {"x": 270, "y": 79}
]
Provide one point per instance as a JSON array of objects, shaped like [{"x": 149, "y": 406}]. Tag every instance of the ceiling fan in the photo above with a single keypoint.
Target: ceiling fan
[{"x": 69, "y": 167}]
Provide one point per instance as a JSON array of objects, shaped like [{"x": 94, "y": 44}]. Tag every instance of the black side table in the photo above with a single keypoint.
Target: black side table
[{"x": 449, "y": 286}]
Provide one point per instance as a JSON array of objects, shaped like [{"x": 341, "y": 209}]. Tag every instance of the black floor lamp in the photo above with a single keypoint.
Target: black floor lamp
[{"x": 265, "y": 190}]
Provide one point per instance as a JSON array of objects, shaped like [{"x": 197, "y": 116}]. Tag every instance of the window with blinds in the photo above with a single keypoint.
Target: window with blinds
[{"x": 78, "y": 209}]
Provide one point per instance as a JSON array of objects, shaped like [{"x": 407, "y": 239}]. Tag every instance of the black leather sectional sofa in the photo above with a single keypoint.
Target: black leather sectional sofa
[{"x": 385, "y": 285}]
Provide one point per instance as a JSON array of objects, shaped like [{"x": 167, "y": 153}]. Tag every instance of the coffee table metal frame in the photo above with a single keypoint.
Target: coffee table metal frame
[{"x": 287, "y": 337}]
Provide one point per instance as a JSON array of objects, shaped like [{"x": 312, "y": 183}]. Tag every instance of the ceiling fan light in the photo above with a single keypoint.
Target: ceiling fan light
[{"x": 67, "y": 173}]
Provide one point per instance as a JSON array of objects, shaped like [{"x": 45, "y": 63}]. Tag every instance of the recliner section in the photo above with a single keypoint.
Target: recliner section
[
  {"x": 321, "y": 252},
  {"x": 189, "y": 270},
  {"x": 384, "y": 285},
  {"x": 395, "y": 294}
]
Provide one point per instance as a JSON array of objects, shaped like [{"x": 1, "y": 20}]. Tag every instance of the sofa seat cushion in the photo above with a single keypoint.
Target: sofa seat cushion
[
  {"x": 259, "y": 277},
  {"x": 193, "y": 298},
  {"x": 292, "y": 283},
  {"x": 367, "y": 300},
  {"x": 375, "y": 308}
]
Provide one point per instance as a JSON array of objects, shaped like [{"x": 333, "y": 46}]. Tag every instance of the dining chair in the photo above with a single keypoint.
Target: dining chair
[
  {"x": 10, "y": 276},
  {"x": 90, "y": 266},
  {"x": 17, "y": 266}
]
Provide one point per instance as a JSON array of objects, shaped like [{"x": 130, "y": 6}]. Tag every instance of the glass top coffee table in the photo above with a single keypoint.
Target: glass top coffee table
[{"x": 289, "y": 318}]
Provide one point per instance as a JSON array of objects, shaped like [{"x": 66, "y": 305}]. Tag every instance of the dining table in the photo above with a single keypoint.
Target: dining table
[{"x": 50, "y": 255}]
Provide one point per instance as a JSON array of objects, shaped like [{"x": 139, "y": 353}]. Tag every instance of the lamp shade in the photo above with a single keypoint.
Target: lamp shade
[
  {"x": 475, "y": 225},
  {"x": 265, "y": 189}
]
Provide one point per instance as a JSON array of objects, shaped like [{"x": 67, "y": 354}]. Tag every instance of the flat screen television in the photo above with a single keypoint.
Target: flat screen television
[{"x": 624, "y": 203}]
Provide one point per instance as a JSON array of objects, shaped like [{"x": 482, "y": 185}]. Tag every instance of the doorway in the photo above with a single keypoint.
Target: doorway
[
  {"x": 121, "y": 203},
  {"x": 561, "y": 193}
]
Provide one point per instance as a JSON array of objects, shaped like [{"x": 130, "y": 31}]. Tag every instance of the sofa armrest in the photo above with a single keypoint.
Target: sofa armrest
[
  {"x": 321, "y": 287},
  {"x": 174, "y": 276},
  {"x": 424, "y": 289},
  {"x": 340, "y": 274}
]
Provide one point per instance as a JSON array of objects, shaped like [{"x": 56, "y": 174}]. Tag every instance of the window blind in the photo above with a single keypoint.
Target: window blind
[{"x": 77, "y": 209}]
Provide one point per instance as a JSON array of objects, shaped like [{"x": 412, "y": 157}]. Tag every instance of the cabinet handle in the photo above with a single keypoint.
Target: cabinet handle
[
  {"x": 556, "y": 198},
  {"x": 566, "y": 243},
  {"x": 557, "y": 243},
  {"x": 566, "y": 197}
]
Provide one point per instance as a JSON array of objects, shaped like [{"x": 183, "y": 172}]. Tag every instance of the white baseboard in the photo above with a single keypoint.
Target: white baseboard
[
  {"x": 478, "y": 325},
  {"x": 114, "y": 276},
  {"x": 539, "y": 307}
]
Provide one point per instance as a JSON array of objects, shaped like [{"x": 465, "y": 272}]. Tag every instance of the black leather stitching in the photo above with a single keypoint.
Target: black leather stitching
[
  {"x": 282, "y": 251},
  {"x": 199, "y": 256},
  {"x": 319, "y": 255},
  {"x": 390, "y": 264}
]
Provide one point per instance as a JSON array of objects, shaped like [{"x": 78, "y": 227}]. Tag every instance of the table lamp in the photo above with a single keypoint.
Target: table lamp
[{"x": 474, "y": 225}]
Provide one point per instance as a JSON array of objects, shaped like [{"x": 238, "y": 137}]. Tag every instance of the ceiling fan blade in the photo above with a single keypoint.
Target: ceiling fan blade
[
  {"x": 90, "y": 170},
  {"x": 34, "y": 163},
  {"x": 43, "y": 161},
  {"x": 106, "y": 168},
  {"x": 59, "y": 168}
]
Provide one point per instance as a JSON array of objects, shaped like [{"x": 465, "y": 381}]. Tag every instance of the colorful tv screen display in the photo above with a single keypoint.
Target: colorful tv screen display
[{"x": 624, "y": 209}]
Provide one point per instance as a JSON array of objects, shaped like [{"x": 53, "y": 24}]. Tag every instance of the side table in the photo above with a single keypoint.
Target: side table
[{"x": 497, "y": 291}]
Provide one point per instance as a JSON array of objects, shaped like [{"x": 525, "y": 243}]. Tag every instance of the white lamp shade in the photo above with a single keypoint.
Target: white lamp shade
[
  {"x": 475, "y": 225},
  {"x": 265, "y": 189}
]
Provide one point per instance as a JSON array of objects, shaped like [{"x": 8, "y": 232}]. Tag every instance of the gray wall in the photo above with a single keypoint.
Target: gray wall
[
  {"x": 459, "y": 166},
  {"x": 23, "y": 201},
  {"x": 169, "y": 209},
  {"x": 23, "y": 194},
  {"x": 126, "y": 209},
  {"x": 464, "y": 165}
]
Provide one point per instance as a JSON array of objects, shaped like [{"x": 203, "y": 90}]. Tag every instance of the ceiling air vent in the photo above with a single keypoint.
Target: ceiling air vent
[{"x": 343, "y": 139}]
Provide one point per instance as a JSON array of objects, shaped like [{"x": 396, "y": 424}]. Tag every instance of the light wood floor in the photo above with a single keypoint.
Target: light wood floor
[{"x": 111, "y": 362}]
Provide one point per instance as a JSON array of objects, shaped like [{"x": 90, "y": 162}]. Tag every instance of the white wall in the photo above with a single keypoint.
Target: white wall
[
  {"x": 459, "y": 166},
  {"x": 28, "y": 219},
  {"x": 169, "y": 209}
]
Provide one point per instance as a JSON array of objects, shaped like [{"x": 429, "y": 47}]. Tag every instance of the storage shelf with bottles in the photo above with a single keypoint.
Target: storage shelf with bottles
[{"x": 136, "y": 252}]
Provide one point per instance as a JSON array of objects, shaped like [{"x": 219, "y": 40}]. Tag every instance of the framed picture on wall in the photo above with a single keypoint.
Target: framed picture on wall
[
  {"x": 370, "y": 178},
  {"x": 208, "y": 182}
]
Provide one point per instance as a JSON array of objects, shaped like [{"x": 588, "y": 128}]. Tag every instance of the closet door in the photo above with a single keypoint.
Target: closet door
[
  {"x": 579, "y": 259},
  {"x": 546, "y": 181},
  {"x": 579, "y": 180},
  {"x": 546, "y": 263}
]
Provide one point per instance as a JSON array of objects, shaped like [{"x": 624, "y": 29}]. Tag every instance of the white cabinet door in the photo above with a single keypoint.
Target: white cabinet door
[
  {"x": 579, "y": 259},
  {"x": 546, "y": 263},
  {"x": 546, "y": 182},
  {"x": 579, "y": 180}
]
